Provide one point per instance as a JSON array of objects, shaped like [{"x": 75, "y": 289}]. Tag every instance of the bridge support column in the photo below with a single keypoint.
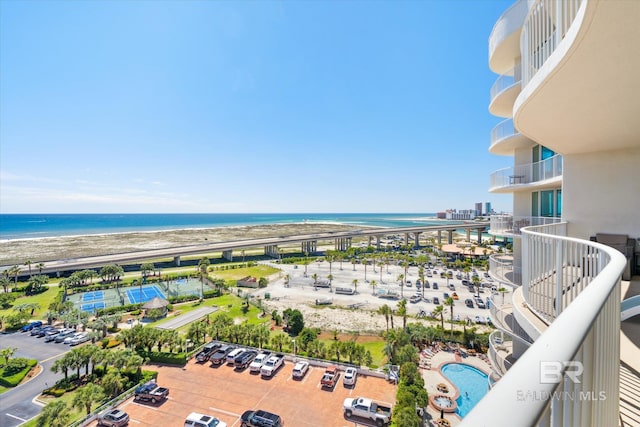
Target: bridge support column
[
  {"x": 439, "y": 237},
  {"x": 343, "y": 243},
  {"x": 480, "y": 230},
  {"x": 228, "y": 255},
  {"x": 272, "y": 251},
  {"x": 378, "y": 242},
  {"x": 450, "y": 239},
  {"x": 406, "y": 239},
  {"x": 468, "y": 235},
  {"x": 309, "y": 246},
  {"x": 176, "y": 260},
  {"x": 416, "y": 240}
]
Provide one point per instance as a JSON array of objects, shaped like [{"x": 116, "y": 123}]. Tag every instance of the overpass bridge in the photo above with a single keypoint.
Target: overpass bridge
[{"x": 342, "y": 241}]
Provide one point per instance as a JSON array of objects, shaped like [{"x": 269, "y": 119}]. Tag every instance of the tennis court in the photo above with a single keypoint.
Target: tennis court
[
  {"x": 93, "y": 296},
  {"x": 93, "y": 307},
  {"x": 147, "y": 293}
]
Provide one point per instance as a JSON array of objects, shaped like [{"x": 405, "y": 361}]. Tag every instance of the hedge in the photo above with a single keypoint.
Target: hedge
[
  {"x": 162, "y": 357},
  {"x": 118, "y": 309},
  {"x": 15, "y": 379}
]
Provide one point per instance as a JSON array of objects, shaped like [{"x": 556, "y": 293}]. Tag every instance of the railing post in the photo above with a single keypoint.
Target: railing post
[{"x": 559, "y": 276}]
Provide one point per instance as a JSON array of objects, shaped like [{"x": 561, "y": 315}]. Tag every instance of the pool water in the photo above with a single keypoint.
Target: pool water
[{"x": 471, "y": 382}]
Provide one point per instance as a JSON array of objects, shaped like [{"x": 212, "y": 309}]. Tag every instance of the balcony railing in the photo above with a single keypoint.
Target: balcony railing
[
  {"x": 500, "y": 350},
  {"x": 570, "y": 375},
  {"x": 503, "y": 130},
  {"x": 513, "y": 225},
  {"x": 506, "y": 81},
  {"x": 527, "y": 173},
  {"x": 545, "y": 27},
  {"x": 501, "y": 309},
  {"x": 501, "y": 267}
]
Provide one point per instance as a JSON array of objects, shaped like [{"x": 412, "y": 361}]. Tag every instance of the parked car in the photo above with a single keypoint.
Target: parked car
[
  {"x": 28, "y": 327},
  {"x": 452, "y": 286},
  {"x": 151, "y": 391},
  {"x": 52, "y": 334},
  {"x": 260, "y": 418},
  {"x": 79, "y": 339},
  {"x": 436, "y": 300},
  {"x": 300, "y": 369},
  {"x": 455, "y": 296},
  {"x": 445, "y": 295},
  {"x": 113, "y": 418},
  {"x": 206, "y": 352},
  {"x": 243, "y": 360},
  {"x": 408, "y": 283},
  {"x": 480, "y": 303},
  {"x": 231, "y": 357},
  {"x": 435, "y": 285},
  {"x": 63, "y": 335},
  {"x": 366, "y": 408},
  {"x": 468, "y": 302},
  {"x": 72, "y": 337},
  {"x": 220, "y": 355},
  {"x": 350, "y": 376},
  {"x": 330, "y": 377},
  {"x": 195, "y": 419},
  {"x": 272, "y": 365},
  {"x": 43, "y": 331},
  {"x": 260, "y": 359},
  {"x": 415, "y": 298}
]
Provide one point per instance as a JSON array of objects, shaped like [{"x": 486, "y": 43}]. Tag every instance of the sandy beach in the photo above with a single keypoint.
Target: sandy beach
[{"x": 55, "y": 248}]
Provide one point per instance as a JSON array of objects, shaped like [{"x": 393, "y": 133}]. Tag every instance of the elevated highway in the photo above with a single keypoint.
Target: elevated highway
[{"x": 308, "y": 243}]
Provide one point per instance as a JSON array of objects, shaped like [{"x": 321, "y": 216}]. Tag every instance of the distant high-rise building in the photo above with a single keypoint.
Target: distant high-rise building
[
  {"x": 487, "y": 208},
  {"x": 479, "y": 209}
]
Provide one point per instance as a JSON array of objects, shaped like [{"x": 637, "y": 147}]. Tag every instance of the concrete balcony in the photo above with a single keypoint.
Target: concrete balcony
[
  {"x": 538, "y": 175},
  {"x": 504, "y": 41},
  {"x": 504, "y": 93},
  {"x": 511, "y": 226},
  {"x": 505, "y": 139},
  {"x": 502, "y": 268},
  {"x": 501, "y": 352}
]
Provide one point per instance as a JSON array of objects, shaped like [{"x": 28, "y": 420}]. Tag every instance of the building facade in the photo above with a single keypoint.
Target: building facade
[{"x": 569, "y": 100}]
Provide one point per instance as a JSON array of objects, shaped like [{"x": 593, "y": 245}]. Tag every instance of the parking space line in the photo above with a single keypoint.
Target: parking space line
[
  {"x": 222, "y": 411},
  {"x": 17, "y": 418}
]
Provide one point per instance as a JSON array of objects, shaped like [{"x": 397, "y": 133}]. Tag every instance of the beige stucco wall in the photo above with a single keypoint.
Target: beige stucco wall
[{"x": 601, "y": 193}]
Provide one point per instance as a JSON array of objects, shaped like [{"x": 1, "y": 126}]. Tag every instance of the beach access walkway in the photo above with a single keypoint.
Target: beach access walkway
[{"x": 183, "y": 319}]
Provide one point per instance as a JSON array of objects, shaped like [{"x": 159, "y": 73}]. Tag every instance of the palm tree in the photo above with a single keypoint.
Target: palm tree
[
  {"x": 88, "y": 395},
  {"x": 286, "y": 280},
  {"x": 40, "y": 266},
  {"x": 15, "y": 271},
  {"x": 354, "y": 282},
  {"x": 401, "y": 280},
  {"x": 203, "y": 265},
  {"x": 113, "y": 383},
  {"x": 439, "y": 311},
  {"x": 353, "y": 261},
  {"x": 365, "y": 262},
  {"x": 503, "y": 291},
  {"x": 55, "y": 414},
  {"x": 279, "y": 340},
  {"x": 402, "y": 311},
  {"x": 385, "y": 310},
  {"x": 28, "y": 264},
  {"x": 476, "y": 284},
  {"x": 330, "y": 278},
  {"x": 450, "y": 302},
  {"x": 373, "y": 287},
  {"x": 5, "y": 283},
  {"x": 315, "y": 278}
]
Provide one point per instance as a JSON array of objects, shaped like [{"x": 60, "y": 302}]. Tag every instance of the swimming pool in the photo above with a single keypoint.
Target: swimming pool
[{"x": 471, "y": 382}]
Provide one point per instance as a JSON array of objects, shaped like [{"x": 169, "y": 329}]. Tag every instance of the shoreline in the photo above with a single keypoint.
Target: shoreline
[{"x": 55, "y": 248}]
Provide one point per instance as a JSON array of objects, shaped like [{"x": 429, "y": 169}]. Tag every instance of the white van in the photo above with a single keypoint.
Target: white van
[
  {"x": 199, "y": 420},
  {"x": 231, "y": 357}
]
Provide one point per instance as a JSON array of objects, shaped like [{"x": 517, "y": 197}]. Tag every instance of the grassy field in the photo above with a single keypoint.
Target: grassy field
[
  {"x": 43, "y": 300},
  {"x": 258, "y": 271}
]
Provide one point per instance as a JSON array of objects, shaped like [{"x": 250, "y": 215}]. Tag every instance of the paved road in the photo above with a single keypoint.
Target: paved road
[
  {"x": 183, "y": 319},
  {"x": 16, "y": 405},
  {"x": 78, "y": 263}
]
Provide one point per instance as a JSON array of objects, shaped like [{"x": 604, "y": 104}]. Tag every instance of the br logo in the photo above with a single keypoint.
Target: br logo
[{"x": 551, "y": 372}]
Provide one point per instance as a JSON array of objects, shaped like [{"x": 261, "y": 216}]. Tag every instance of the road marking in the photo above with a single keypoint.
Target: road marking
[
  {"x": 232, "y": 414},
  {"x": 135, "y": 421},
  {"x": 54, "y": 357},
  {"x": 17, "y": 418}
]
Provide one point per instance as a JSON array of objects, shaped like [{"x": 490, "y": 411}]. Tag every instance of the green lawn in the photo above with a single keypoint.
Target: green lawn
[
  {"x": 257, "y": 271},
  {"x": 44, "y": 300}
]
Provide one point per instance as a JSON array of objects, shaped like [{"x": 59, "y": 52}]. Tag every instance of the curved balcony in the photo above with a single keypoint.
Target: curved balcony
[
  {"x": 501, "y": 309},
  {"x": 511, "y": 226},
  {"x": 505, "y": 139},
  {"x": 568, "y": 46},
  {"x": 501, "y": 268},
  {"x": 582, "y": 279},
  {"x": 501, "y": 352},
  {"x": 504, "y": 93},
  {"x": 544, "y": 174},
  {"x": 504, "y": 41}
]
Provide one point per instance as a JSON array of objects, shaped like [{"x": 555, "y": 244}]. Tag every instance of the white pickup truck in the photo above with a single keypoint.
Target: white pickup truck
[
  {"x": 272, "y": 365},
  {"x": 367, "y": 408},
  {"x": 260, "y": 360}
]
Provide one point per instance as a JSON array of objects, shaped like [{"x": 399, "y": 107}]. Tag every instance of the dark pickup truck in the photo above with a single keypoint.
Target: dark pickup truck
[
  {"x": 219, "y": 357},
  {"x": 207, "y": 351},
  {"x": 243, "y": 360},
  {"x": 330, "y": 377},
  {"x": 151, "y": 392}
]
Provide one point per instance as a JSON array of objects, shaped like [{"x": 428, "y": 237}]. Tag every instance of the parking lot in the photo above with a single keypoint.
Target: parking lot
[{"x": 226, "y": 394}]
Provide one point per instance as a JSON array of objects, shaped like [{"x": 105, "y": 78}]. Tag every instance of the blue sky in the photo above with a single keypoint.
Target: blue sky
[{"x": 213, "y": 106}]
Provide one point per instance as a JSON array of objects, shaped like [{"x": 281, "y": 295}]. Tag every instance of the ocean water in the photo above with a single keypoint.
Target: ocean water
[{"x": 30, "y": 226}]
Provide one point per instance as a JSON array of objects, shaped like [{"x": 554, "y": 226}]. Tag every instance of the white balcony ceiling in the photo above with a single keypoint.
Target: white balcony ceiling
[{"x": 586, "y": 97}]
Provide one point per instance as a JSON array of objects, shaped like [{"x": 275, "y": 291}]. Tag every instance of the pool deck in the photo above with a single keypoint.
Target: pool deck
[{"x": 432, "y": 377}]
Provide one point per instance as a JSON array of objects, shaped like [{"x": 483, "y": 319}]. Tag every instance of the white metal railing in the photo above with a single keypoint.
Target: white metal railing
[
  {"x": 502, "y": 268},
  {"x": 503, "y": 130},
  {"x": 500, "y": 347},
  {"x": 570, "y": 375},
  {"x": 501, "y": 309},
  {"x": 528, "y": 173},
  {"x": 507, "y": 224},
  {"x": 511, "y": 20},
  {"x": 505, "y": 81},
  {"x": 545, "y": 27}
]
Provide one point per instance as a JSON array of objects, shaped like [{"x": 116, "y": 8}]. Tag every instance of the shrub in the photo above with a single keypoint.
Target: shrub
[
  {"x": 10, "y": 377},
  {"x": 105, "y": 342},
  {"x": 162, "y": 357},
  {"x": 112, "y": 343}
]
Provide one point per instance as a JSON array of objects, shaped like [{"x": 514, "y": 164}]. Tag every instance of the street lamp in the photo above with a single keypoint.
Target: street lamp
[{"x": 294, "y": 346}]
